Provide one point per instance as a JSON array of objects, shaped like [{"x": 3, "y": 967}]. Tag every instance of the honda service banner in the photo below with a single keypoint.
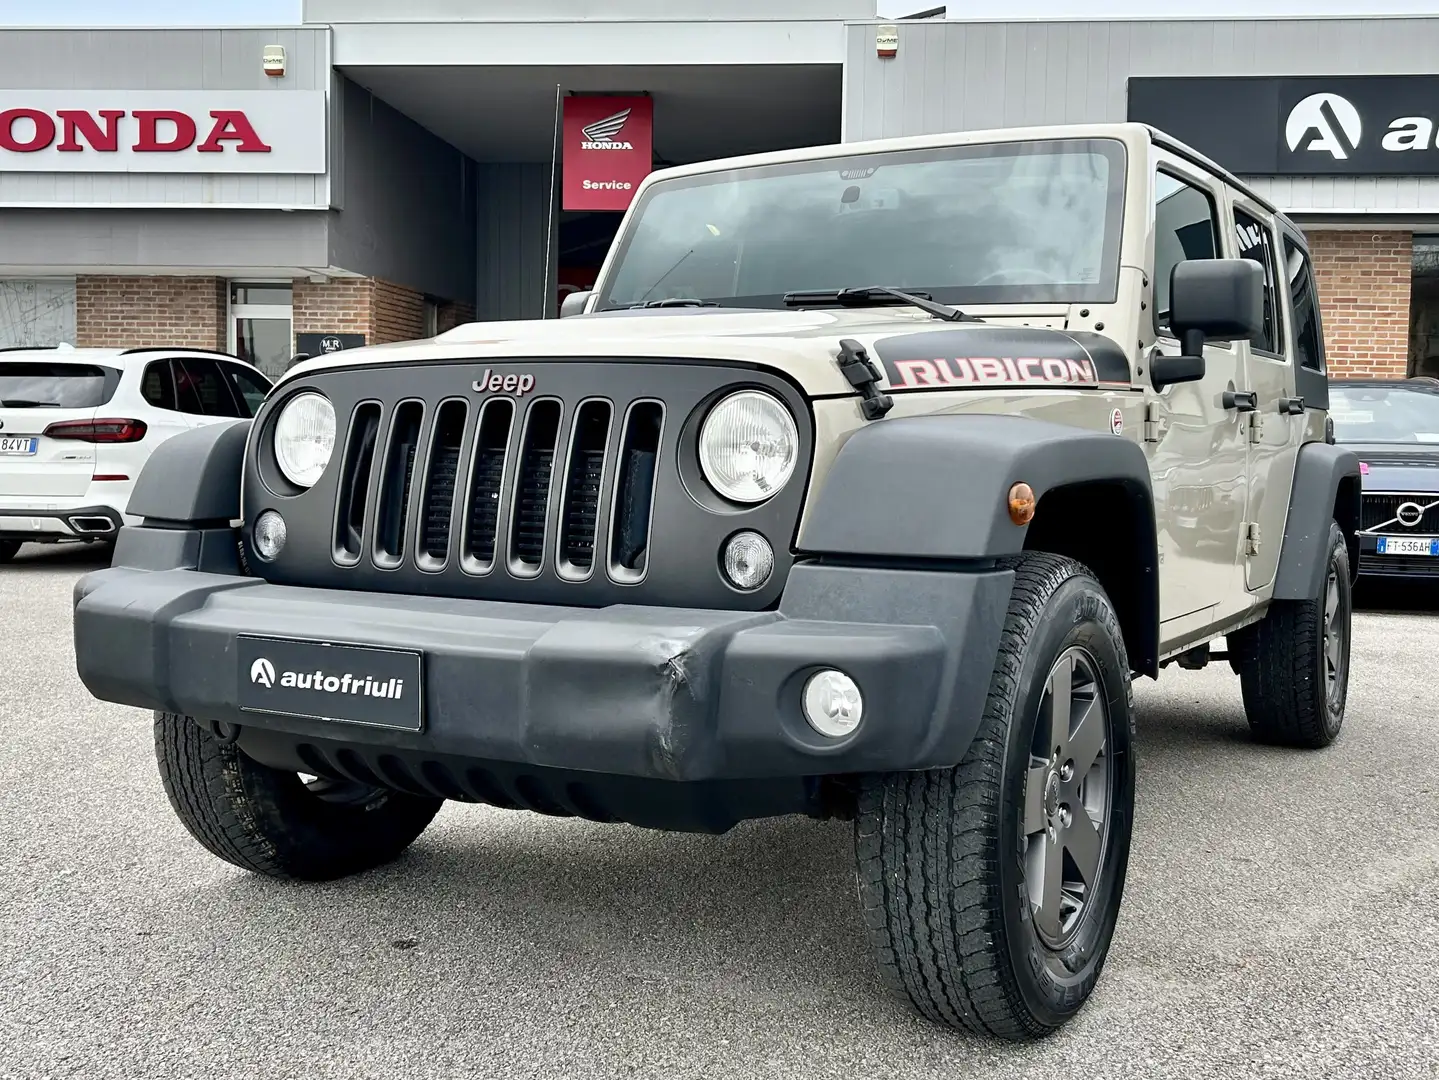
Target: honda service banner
[{"x": 606, "y": 151}]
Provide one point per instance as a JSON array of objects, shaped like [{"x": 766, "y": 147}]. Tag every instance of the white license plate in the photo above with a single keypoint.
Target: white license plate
[
  {"x": 19, "y": 447},
  {"x": 1408, "y": 545}
]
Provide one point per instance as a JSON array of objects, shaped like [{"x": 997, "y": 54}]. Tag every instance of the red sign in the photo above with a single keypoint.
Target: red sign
[
  {"x": 28, "y": 131},
  {"x": 606, "y": 151}
]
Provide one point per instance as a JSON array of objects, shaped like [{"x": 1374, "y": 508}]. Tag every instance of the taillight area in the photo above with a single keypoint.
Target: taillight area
[{"x": 98, "y": 431}]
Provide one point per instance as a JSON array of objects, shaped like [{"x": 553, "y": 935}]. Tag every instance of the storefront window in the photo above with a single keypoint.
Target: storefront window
[
  {"x": 260, "y": 324},
  {"x": 1424, "y": 308}
]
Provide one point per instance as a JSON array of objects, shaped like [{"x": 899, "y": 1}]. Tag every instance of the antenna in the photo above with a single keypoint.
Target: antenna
[{"x": 551, "y": 240}]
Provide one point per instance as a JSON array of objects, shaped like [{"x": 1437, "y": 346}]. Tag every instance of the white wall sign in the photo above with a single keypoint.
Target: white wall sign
[{"x": 162, "y": 131}]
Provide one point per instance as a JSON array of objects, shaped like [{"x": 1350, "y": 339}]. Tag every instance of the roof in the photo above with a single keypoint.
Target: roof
[{"x": 114, "y": 357}]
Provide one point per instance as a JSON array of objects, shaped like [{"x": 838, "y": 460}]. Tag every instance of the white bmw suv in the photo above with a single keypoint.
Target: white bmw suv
[{"x": 77, "y": 425}]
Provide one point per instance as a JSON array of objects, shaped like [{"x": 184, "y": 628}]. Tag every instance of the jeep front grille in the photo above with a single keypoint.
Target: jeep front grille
[{"x": 522, "y": 459}]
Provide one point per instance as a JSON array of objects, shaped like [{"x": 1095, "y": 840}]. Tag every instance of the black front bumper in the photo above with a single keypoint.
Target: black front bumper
[
  {"x": 516, "y": 690},
  {"x": 1407, "y": 567}
]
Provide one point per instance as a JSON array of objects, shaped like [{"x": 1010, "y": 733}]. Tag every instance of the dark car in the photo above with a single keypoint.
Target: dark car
[{"x": 1393, "y": 425}]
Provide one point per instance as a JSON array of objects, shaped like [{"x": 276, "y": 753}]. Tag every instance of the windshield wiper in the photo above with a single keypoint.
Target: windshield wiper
[
  {"x": 674, "y": 301},
  {"x": 865, "y": 295},
  {"x": 21, "y": 403}
]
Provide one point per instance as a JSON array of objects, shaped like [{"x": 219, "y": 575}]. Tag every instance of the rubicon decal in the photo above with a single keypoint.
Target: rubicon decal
[
  {"x": 986, "y": 357},
  {"x": 263, "y": 673}
]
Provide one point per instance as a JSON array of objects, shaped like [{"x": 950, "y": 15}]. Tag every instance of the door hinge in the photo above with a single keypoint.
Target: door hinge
[
  {"x": 1152, "y": 427},
  {"x": 1256, "y": 427},
  {"x": 1251, "y": 538}
]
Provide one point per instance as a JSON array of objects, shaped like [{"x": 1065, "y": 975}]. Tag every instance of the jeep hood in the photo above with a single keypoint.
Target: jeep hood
[{"x": 912, "y": 349}]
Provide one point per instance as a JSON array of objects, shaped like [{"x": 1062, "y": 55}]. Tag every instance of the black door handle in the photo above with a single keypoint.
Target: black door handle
[
  {"x": 1241, "y": 400},
  {"x": 1291, "y": 406}
]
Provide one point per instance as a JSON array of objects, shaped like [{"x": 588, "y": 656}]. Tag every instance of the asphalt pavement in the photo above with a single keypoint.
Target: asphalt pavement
[{"x": 1281, "y": 917}]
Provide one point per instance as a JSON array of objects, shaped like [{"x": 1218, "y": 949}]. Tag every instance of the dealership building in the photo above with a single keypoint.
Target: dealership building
[{"x": 385, "y": 170}]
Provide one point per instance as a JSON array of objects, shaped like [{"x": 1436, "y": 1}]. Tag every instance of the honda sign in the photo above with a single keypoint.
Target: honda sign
[
  {"x": 1353, "y": 125},
  {"x": 606, "y": 150}
]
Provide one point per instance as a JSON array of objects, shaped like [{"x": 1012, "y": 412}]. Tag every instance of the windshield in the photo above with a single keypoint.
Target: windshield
[
  {"x": 32, "y": 385},
  {"x": 1403, "y": 413},
  {"x": 1022, "y": 222}
]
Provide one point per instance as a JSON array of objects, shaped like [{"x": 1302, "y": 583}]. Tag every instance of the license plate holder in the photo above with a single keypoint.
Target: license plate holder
[
  {"x": 358, "y": 684},
  {"x": 1408, "y": 545},
  {"x": 18, "y": 446}
]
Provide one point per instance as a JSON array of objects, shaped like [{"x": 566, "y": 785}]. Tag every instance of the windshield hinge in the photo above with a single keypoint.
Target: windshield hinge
[{"x": 856, "y": 366}]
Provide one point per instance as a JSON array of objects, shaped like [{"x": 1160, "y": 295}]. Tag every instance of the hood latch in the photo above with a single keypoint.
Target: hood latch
[{"x": 856, "y": 366}]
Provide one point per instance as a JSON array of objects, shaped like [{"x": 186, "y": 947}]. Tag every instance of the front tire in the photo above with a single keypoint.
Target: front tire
[
  {"x": 274, "y": 823},
  {"x": 991, "y": 890},
  {"x": 1294, "y": 663}
]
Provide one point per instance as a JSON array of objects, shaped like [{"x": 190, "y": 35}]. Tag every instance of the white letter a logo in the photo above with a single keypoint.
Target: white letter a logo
[{"x": 263, "y": 672}]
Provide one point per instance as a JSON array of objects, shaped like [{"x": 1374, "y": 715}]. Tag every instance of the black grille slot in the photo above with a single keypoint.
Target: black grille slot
[
  {"x": 355, "y": 482},
  {"x": 439, "y": 499},
  {"x": 487, "y": 474},
  {"x": 634, "y": 494},
  {"x": 1380, "y": 509},
  {"x": 395, "y": 481},
  {"x": 532, "y": 497},
  {"x": 1425, "y": 566},
  {"x": 579, "y": 521}
]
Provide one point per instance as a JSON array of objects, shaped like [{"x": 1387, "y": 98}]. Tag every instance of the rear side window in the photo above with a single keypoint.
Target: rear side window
[
  {"x": 31, "y": 384},
  {"x": 1256, "y": 242},
  {"x": 157, "y": 386},
  {"x": 250, "y": 386},
  {"x": 201, "y": 389},
  {"x": 1308, "y": 331}
]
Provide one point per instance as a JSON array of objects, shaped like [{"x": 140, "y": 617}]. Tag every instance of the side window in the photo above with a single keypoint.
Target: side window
[
  {"x": 1308, "y": 329},
  {"x": 157, "y": 386},
  {"x": 1256, "y": 242},
  {"x": 201, "y": 388},
  {"x": 1186, "y": 226},
  {"x": 250, "y": 387}
]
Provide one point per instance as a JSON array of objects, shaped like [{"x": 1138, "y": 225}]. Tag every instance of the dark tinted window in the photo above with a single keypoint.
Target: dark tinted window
[
  {"x": 157, "y": 386},
  {"x": 26, "y": 384},
  {"x": 1186, "y": 226},
  {"x": 1308, "y": 328},
  {"x": 202, "y": 388},
  {"x": 250, "y": 387},
  {"x": 1256, "y": 242}
]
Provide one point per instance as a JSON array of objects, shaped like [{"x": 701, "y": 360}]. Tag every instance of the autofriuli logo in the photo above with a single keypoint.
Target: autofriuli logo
[
  {"x": 263, "y": 673},
  {"x": 1326, "y": 123}
]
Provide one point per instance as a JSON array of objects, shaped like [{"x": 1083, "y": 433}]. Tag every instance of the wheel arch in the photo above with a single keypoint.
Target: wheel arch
[
  {"x": 1327, "y": 487},
  {"x": 194, "y": 477}
]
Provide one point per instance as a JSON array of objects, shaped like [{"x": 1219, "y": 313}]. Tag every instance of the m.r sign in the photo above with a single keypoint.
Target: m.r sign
[{"x": 162, "y": 131}]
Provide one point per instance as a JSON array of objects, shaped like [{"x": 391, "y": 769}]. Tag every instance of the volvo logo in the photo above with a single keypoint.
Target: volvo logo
[
  {"x": 262, "y": 673},
  {"x": 1324, "y": 122},
  {"x": 1410, "y": 514},
  {"x": 492, "y": 382}
]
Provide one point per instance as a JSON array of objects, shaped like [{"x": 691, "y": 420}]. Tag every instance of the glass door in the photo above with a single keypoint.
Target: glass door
[{"x": 260, "y": 324}]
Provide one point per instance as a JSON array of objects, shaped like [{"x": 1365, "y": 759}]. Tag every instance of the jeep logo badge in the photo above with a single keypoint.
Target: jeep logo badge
[{"x": 492, "y": 382}]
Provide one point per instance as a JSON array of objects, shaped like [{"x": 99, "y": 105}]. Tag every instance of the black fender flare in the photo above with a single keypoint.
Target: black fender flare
[
  {"x": 936, "y": 488},
  {"x": 194, "y": 477},
  {"x": 1326, "y": 488}
]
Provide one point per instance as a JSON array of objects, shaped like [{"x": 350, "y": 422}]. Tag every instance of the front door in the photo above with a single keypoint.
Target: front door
[
  {"x": 1277, "y": 422},
  {"x": 1198, "y": 456}
]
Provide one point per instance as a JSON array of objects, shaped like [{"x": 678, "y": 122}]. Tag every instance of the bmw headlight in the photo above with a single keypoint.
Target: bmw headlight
[
  {"x": 748, "y": 445},
  {"x": 305, "y": 438}
]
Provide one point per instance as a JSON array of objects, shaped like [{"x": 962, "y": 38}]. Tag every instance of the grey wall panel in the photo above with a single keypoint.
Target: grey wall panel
[
  {"x": 513, "y": 237},
  {"x": 154, "y": 240},
  {"x": 357, "y": 11},
  {"x": 409, "y": 201},
  {"x": 960, "y": 76},
  {"x": 220, "y": 59}
]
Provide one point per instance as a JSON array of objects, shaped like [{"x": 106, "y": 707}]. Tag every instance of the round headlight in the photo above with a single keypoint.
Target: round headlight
[
  {"x": 748, "y": 446},
  {"x": 305, "y": 438}
]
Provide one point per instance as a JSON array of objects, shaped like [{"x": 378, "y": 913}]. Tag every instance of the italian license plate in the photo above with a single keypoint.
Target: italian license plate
[
  {"x": 1408, "y": 545},
  {"x": 18, "y": 446},
  {"x": 350, "y": 684}
]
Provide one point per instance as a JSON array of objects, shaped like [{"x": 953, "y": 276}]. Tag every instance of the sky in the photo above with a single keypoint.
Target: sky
[{"x": 261, "y": 12}]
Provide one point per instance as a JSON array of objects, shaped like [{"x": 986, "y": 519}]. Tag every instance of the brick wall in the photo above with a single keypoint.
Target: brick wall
[
  {"x": 380, "y": 310},
  {"x": 128, "y": 312},
  {"x": 453, "y": 314},
  {"x": 1364, "y": 284}
]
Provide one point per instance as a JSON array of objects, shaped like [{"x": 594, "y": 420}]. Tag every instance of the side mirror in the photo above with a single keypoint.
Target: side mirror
[
  {"x": 574, "y": 303},
  {"x": 1209, "y": 300}
]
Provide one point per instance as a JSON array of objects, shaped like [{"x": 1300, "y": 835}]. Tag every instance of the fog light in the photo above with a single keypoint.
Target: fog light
[
  {"x": 748, "y": 560},
  {"x": 833, "y": 704},
  {"x": 269, "y": 534}
]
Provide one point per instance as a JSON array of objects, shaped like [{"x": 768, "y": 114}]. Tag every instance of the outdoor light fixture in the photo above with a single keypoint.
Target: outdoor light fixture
[{"x": 273, "y": 59}]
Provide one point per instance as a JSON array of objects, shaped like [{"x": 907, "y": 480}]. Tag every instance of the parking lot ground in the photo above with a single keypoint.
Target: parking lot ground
[{"x": 1280, "y": 917}]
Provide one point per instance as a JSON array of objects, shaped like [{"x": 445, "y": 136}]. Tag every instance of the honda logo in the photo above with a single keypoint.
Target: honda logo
[
  {"x": 1325, "y": 123},
  {"x": 601, "y": 134}
]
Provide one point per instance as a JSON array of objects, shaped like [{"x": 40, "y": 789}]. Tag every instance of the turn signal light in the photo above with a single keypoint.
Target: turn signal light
[
  {"x": 98, "y": 431},
  {"x": 1021, "y": 504}
]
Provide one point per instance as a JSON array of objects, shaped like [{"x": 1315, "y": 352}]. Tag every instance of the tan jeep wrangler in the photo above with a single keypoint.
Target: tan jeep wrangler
[{"x": 861, "y": 486}]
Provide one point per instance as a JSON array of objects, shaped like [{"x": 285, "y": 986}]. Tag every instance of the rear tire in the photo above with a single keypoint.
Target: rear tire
[
  {"x": 272, "y": 822},
  {"x": 8, "y": 550},
  {"x": 1294, "y": 663},
  {"x": 991, "y": 890}
]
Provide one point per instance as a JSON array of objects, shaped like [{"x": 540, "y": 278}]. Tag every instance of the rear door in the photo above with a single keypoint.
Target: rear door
[
  {"x": 35, "y": 395},
  {"x": 204, "y": 392}
]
